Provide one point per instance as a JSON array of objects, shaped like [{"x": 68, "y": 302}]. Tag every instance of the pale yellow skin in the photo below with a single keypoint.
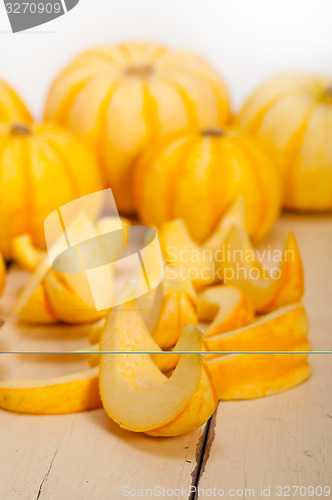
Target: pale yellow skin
[
  {"x": 245, "y": 376},
  {"x": 196, "y": 176},
  {"x": 134, "y": 391},
  {"x": 67, "y": 394},
  {"x": 120, "y": 98},
  {"x": 42, "y": 167},
  {"x": 294, "y": 111},
  {"x": 11, "y": 106},
  {"x": 266, "y": 292},
  {"x": 2, "y": 274},
  {"x": 200, "y": 261}
]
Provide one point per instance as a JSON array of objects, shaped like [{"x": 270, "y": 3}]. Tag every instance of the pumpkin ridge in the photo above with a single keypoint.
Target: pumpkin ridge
[
  {"x": 255, "y": 124},
  {"x": 64, "y": 162},
  {"x": 27, "y": 167},
  {"x": 189, "y": 104},
  {"x": 68, "y": 101},
  {"x": 261, "y": 188},
  {"x": 178, "y": 169},
  {"x": 101, "y": 125},
  {"x": 222, "y": 98},
  {"x": 150, "y": 113},
  {"x": 295, "y": 143}
]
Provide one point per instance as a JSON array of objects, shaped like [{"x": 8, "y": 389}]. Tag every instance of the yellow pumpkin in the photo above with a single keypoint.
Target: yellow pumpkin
[
  {"x": 295, "y": 112},
  {"x": 120, "y": 98},
  {"x": 41, "y": 168},
  {"x": 11, "y": 106},
  {"x": 2, "y": 274},
  {"x": 196, "y": 176}
]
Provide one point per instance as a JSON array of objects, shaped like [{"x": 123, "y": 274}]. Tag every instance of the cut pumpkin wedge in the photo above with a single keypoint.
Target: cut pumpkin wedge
[
  {"x": 200, "y": 261},
  {"x": 226, "y": 307},
  {"x": 241, "y": 268},
  {"x": 24, "y": 252},
  {"x": 67, "y": 394},
  {"x": 251, "y": 375},
  {"x": 248, "y": 376},
  {"x": 137, "y": 395},
  {"x": 50, "y": 296}
]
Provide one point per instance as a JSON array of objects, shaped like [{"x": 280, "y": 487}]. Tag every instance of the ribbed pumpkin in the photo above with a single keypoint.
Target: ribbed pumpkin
[
  {"x": 41, "y": 168},
  {"x": 11, "y": 106},
  {"x": 295, "y": 112},
  {"x": 120, "y": 98},
  {"x": 196, "y": 176}
]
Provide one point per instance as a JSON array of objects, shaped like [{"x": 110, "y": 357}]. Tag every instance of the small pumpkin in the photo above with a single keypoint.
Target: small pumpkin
[
  {"x": 11, "y": 106},
  {"x": 197, "y": 175},
  {"x": 294, "y": 111},
  {"x": 121, "y": 98},
  {"x": 41, "y": 168}
]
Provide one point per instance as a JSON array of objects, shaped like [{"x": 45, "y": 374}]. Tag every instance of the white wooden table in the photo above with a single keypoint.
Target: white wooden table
[{"x": 283, "y": 440}]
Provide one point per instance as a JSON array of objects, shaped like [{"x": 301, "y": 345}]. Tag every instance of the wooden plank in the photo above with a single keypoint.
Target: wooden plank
[
  {"x": 286, "y": 439},
  {"x": 85, "y": 455}
]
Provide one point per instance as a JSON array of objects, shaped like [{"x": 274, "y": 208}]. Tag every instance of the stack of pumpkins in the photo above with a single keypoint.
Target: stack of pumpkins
[{"x": 155, "y": 126}]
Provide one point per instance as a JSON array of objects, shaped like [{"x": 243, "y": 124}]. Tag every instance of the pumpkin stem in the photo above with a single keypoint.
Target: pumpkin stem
[
  {"x": 20, "y": 129},
  {"x": 216, "y": 132},
  {"x": 139, "y": 70}
]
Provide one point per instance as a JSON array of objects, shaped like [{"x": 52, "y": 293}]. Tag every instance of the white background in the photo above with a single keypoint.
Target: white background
[{"x": 246, "y": 40}]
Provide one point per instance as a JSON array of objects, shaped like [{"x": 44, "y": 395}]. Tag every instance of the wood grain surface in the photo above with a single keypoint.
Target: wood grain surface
[{"x": 282, "y": 440}]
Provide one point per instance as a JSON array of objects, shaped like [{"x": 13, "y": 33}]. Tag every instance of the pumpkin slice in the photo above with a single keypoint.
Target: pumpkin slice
[
  {"x": 66, "y": 305},
  {"x": 242, "y": 376},
  {"x": 137, "y": 395},
  {"x": 164, "y": 361},
  {"x": 201, "y": 261},
  {"x": 66, "y": 394},
  {"x": 174, "y": 307},
  {"x": 2, "y": 274},
  {"x": 249, "y": 376},
  {"x": 24, "y": 252},
  {"x": 226, "y": 307},
  {"x": 51, "y": 296},
  {"x": 241, "y": 268},
  {"x": 280, "y": 330}
]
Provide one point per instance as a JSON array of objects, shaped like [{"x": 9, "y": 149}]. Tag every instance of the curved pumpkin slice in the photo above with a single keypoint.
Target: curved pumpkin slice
[
  {"x": 66, "y": 304},
  {"x": 228, "y": 307},
  {"x": 241, "y": 268},
  {"x": 242, "y": 376},
  {"x": 280, "y": 330},
  {"x": 95, "y": 331},
  {"x": 177, "y": 311},
  {"x": 24, "y": 252},
  {"x": 200, "y": 261},
  {"x": 67, "y": 394},
  {"x": 2, "y": 274},
  {"x": 138, "y": 396},
  {"x": 234, "y": 216},
  {"x": 35, "y": 308},
  {"x": 130, "y": 313},
  {"x": 248, "y": 376},
  {"x": 51, "y": 296}
]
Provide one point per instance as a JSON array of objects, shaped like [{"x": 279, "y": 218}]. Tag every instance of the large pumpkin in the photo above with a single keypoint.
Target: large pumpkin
[
  {"x": 295, "y": 112},
  {"x": 196, "y": 176},
  {"x": 120, "y": 98},
  {"x": 41, "y": 168},
  {"x": 11, "y": 106}
]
